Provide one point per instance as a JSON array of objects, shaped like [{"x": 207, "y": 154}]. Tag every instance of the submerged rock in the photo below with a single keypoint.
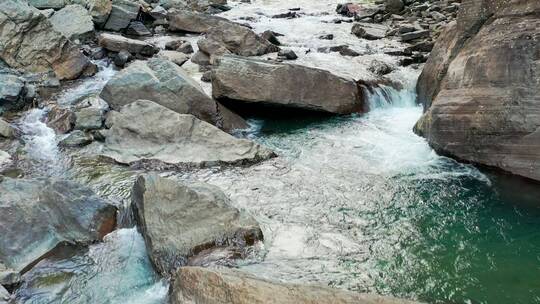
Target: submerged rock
[
  {"x": 241, "y": 80},
  {"x": 480, "y": 87},
  {"x": 164, "y": 82},
  {"x": 202, "y": 285},
  {"x": 146, "y": 132},
  {"x": 39, "y": 215},
  {"x": 199, "y": 218},
  {"x": 116, "y": 270},
  {"x": 32, "y": 44},
  {"x": 74, "y": 22}
]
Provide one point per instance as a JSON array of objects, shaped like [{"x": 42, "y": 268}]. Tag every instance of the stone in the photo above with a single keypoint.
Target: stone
[
  {"x": 47, "y": 12},
  {"x": 185, "y": 48},
  {"x": 74, "y": 22},
  {"x": 89, "y": 118},
  {"x": 137, "y": 28},
  {"x": 174, "y": 44},
  {"x": 288, "y": 54},
  {"x": 221, "y": 286},
  {"x": 480, "y": 87},
  {"x": 166, "y": 83},
  {"x": 287, "y": 15},
  {"x": 30, "y": 43},
  {"x": 47, "y": 4},
  {"x": 369, "y": 31},
  {"x": 75, "y": 139},
  {"x": 5, "y": 160},
  {"x": 6, "y": 130},
  {"x": 122, "y": 58},
  {"x": 271, "y": 37},
  {"x": 146, "y": 133},
  {"x": 206, "y": 76},
  {"x": 117, "y": 43},
  {"x": 158, "y": 12},
  {"x": 238, "y": 40},
  {"x": 200, "y": 219},
  {"x": 240, "y": 80},
  {"x": 173, "y": 56},
  {"x": 99, "y": 9},
  {"x": 4, "y": 295},
  {"x": 11, "y": 92},
  {"x": 188, "y": 21},
  {"x": 61, "y": 120},
  {"x": 327, "y": 37},
  {"x": 41, "y": 215},
  {"x": 394, "y": 6},
  {"x": 380, "y": 68},
  {"x": 201, "y": 59},
  {"x": 406, "y": 37},
  {"x": 122, "y": 12}
]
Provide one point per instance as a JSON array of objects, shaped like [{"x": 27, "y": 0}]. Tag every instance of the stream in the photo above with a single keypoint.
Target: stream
[{"x": 357, "y": 202}]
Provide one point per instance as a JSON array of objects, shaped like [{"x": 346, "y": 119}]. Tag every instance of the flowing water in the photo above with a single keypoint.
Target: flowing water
[{"x": 356, "y": 202}]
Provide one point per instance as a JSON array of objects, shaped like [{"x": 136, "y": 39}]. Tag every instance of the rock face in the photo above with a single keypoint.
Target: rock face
[
  {"x": 29, "y": 42},
  {"x": 201, "y": 285},
  {"x": 166, "y": 83},
  {"x": 481, "y": 84},
  {"x": 74, "y": 22},
  {"x": 241, "y": 80},
  {"x": 199, "y": 217},
  {"x": 36, "y": 216},
  {"x": 117, "y": 43},
  {"x": 144, "y": 131}
]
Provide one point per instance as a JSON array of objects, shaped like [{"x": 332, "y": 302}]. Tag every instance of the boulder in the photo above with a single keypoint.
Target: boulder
[
  {"x": 75, "y": 139},
  {"x": 137, "y": 28},
  {"x": 480, "y": 87},
  {"x": 122, "y": 12},
  {"x": 89, "y": 118},
  {"x": 39, "y": 215},
  {"x": 248, "y": 81},
  {"x": 11, "y": 92},
  {"x": 74, "y": 22},
  {"x": 6, "y": 130},
  {"x": 117, "y": 43},
  {"x": 369, "y": 31},
  {"x": 188, "y": 21},
  {"x": 164, "y": 82},
  {"x": 209, "y": 286},
  {"x": 29, "y": 42},
  {"x": 173, "y": 56},
  {"x": 48, "y": 4},
  {"x": 199, "y": 218},
  {"x": 145, "y": 132},
  {"x": 98, "y": 9},
  {"x": 61, "y": 120},
  {"x": 121, "y": 58},
  {"x": 394, "y": 6}
]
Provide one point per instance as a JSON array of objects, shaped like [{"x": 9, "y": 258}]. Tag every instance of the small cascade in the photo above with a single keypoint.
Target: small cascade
[{"x": 385, "y": 97}]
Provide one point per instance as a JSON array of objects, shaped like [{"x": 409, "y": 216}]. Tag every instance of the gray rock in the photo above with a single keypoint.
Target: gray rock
[
  {"x": 4, "y": 295},
  {"x": 174, "y": 44},
  {"x": 5, "y": 160},
  {"x": 285, "y": 85},
  {"x": 380, "y": 68},
  {"x": 137, "y": 28},
  {"x": 166, "y": 83},
  {"x": 47, "y": 4},
  {"x": 369, "y": 31},
  {"x": 406, "y": 37},
  {"x": 74, "y": 22},
  {"x": 90, "y": 118},
  {"x": 288, "y": 54},
  {"x": 185, "y": 48},
  {"x": 199, "y": 218},
  {"x": 271, "y": 37},
  {"x": 32, "y": 44},
  {"x": 158, "y": 12},
  {"x": 173, "y": 56},
  {"x": 144, "y": 132},
  {"x": 5, "y": 129},
  {"x": 240, "y": 40},
  {"x": 201, "y": 58},
  {"x": 122, "y": 12},
  {"x": 122, "y": 58},
  {"x": 11, "y": 92},
  {"x": 394, "y": 6},
  {"x": 99, "y": 9},
  {"x": 76, "y": 138},
  {"x": 209, "y": 286},
  {"x": 39, "y": 215},
  {"x": 47, "y": 12},
  {"x": 187, "y": 21},
  {"x": 117, "y": 43}
]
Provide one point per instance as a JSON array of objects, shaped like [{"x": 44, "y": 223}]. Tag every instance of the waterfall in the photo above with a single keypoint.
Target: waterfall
[{"x": 385, "y": 96}]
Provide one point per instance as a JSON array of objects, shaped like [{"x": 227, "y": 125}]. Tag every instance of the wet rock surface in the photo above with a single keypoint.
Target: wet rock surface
[
  {"x": 480, "y": 88},
  {"x": 220, "y": 286},
  {"x": 40, "y": 215},
  {"x": 241, "y": 81},
  {"x": 180, "y": 140},
  {"x": 200, "y": 219}
]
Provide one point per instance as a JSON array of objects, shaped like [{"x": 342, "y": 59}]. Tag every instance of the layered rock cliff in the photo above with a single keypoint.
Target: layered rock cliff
[{"x": 481, "y": 87}]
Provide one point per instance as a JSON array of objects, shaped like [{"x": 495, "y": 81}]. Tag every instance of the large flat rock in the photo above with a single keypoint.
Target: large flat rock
[
  {"x": 166, "y": 83},
  {"x": 146, "y": 132},
  {"x": 74, "y": 22},
  {"x": 480, "y": 87},
  {"x": 180, "y": 221},
  {"x": 189, "y": 21},
  {"x": 37, "y": 216},
  {"x": 117, "y": 43},
  {"x": 241, "y": 80},
  {"x": 29, "y": 42},
  {"x": 201, "y": 285}
]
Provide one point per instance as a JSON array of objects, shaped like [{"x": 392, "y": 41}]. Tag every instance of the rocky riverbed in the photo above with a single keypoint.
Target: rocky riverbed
[{"x": 265, "y": 151}]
